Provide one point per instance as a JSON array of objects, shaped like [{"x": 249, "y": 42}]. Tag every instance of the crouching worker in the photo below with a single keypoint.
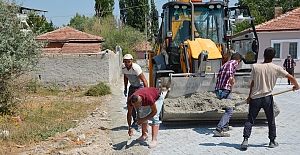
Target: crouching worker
[{"x": 149, "y": 101}]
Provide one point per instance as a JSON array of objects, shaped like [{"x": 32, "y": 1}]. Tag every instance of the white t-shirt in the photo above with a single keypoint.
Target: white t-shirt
[
  {"x": 132, "y": 74},
  {"x": 265, "y": 76}
]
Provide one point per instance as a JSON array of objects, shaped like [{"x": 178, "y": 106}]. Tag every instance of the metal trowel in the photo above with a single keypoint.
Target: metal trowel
[{"x": 129, "y": 141}]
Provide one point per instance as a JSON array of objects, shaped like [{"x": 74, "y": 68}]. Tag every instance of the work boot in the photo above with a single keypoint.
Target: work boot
[
  {"x": 153, "y": 143},
  {"x": 273, "y": 144},
  {"x": 221, "y": 134},
  {"x": 144, "y": 136},
  {"x": 244, "y": 145}
]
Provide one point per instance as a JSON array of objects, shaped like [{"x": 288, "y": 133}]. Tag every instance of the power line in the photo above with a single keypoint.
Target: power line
[
  {"x": 133, "y": 7},
  {"x": 68, "y": 15},
  {"x": 102, "y": 11}
]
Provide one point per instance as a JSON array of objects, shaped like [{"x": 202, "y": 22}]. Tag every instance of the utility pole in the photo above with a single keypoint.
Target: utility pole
[{"x": 146, "y": 57}]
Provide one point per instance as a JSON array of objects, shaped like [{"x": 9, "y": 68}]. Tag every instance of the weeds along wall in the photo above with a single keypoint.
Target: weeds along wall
[{"x": 83, "y": 70}]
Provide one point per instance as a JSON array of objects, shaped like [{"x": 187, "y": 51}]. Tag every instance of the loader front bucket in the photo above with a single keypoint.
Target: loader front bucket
[
  {"x": 185, "y": 84},
  {"x": 183, "y": 101}
]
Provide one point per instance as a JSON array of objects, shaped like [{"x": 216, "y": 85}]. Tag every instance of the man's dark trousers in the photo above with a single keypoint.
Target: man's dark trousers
[
  {"x": 133, "y": 89},
  {"x": 290, "y": 71},
  {"x": 255, "y": 105}
]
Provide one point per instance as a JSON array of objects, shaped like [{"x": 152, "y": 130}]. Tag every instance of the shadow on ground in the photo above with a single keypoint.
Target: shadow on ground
[
  {"x": 205, "y": 127},
  {"x": 119, "y": 128},
  {"x": 128, "y": 144},
  {"x": 235, "y": 146}
]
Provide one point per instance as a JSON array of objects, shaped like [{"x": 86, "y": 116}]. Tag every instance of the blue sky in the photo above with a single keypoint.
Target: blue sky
[{"x": 61, "y": 11}]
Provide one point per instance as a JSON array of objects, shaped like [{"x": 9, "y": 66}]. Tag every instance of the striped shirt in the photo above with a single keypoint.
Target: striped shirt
[
  {"x": 226, "y": 72},
  {"x": 289, "y": 63}
]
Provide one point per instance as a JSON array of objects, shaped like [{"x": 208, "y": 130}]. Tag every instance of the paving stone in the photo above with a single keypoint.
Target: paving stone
[{"x": 197, "y": 138}]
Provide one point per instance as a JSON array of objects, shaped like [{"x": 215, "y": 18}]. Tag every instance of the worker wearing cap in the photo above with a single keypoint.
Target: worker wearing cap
[
  {"x": 289, "y": 65},
  {"x": 134, "y": 74}
]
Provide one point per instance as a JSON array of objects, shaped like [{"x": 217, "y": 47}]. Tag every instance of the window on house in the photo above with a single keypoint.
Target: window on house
[
  {"x": 276, "y": 46},
  {"x": 293, "y": 50}
]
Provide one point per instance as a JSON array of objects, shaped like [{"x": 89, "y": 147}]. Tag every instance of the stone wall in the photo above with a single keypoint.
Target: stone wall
[{"x": 83, "y": 70}]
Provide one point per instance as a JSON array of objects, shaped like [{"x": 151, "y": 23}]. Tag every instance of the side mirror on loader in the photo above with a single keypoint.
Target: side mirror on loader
[{"x": 254, "y": 46}]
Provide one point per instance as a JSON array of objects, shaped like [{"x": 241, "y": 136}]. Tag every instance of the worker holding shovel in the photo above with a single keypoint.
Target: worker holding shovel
[
  {"x": 264, "y": 77},
  {"x": 225, "y": 81},
  {"x": 149, "y": 100}
]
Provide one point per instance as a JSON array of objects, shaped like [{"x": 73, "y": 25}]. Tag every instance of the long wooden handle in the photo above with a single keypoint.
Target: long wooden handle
[
  {"x": 274, "y": 94},
  {"x": 283, "y": 91}
]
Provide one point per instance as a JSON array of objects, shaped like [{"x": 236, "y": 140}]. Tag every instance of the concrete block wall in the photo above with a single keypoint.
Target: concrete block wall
[{"x": 83, "y": 70}]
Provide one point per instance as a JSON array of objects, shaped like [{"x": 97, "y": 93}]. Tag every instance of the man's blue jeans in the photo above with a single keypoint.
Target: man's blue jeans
[
  {"x": 146, "y": 110},
  {"x": 224, "y": 122}
]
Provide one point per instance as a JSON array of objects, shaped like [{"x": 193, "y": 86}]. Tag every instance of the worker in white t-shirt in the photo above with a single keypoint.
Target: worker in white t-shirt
[{"x": 134, "y": 74}]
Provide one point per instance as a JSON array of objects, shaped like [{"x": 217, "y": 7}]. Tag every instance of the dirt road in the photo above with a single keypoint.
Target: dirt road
[{"x": 119, "y": 127}]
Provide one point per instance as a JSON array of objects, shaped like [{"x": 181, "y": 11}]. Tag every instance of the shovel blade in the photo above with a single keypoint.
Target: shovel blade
[{"x": 240, "y": 103}]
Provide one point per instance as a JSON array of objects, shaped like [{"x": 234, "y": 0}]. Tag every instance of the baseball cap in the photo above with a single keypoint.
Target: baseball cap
[{"x": 127, "y": 56}]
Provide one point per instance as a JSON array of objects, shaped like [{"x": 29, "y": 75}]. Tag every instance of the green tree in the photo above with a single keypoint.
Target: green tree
[
  {"x": 154, "y": 24},
  {"x": 39, "y": 23},
  {"x": 135, "y": 13},
  {"x": 123, "y": 10},
  {"x": 126, "y": 37},
  {"x": 79, "y": 22},
  {"x": 264, "y": 10},
  {"x": 108, "y": 28},
  {"x": 104, "y": 8},
  {"x": 18, "y": 54}
]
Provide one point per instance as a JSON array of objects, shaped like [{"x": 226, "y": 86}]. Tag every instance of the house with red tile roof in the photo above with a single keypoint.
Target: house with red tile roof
[
  {"x": 68, "y": 40},
  {"x": 141, "y": 49},
  {"x": 73, "y": 59},
  {"x": 282, "y": 33}
]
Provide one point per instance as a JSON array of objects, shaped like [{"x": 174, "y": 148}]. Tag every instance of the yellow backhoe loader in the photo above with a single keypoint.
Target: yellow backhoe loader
[{"x": 194, "y": 40}]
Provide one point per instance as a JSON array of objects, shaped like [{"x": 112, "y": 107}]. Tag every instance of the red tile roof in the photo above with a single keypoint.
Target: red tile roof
[
  {"x": 143, "y": 47},
  {"x": 66, "y": 34},
  {"x": 81, "y": 48},
  {"x": 288, "y": 21},
  {"x": 73, "y": 48}
]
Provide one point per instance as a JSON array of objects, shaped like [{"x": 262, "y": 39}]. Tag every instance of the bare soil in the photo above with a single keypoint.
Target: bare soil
[
  {"x": 104, "y": 131},
  {"x": 91, "y": 136}
]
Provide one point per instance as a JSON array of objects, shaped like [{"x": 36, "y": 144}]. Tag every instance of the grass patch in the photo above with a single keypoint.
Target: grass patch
[
  {"x": 42, "y": 115},
  {"x": 42, "y": 120},
  {"x": 98, "y": 90},
  {"x": 34, "y": 86}
]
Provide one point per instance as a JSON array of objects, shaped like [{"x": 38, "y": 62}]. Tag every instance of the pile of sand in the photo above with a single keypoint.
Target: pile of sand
[{"x": 205, "y": 101}]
